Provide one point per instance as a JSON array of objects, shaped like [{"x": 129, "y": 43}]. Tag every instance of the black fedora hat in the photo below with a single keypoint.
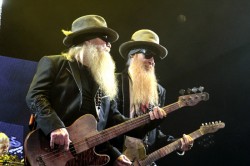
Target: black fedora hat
[
  {"x": 89, "y": 26},
  {"x": 142, "y": 39}
]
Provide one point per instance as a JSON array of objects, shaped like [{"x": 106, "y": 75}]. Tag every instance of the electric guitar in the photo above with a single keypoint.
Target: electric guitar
[
  {"x": 204, "y": 129},
  {"x": 84, "y": 136}
]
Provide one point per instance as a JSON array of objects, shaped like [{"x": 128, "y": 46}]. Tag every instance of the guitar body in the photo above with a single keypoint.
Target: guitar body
[
  {"x": 136, "y": 163},
  {"x": 38, "y": 151}
]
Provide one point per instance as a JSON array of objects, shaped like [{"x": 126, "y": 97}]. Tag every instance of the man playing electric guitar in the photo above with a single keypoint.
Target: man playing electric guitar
[{"x": 78, "y": 82}]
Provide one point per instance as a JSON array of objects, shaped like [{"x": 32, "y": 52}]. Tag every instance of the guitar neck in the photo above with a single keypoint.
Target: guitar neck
[
  {"x": 172, "y": 107},
  {"x": 167, "y": 149},
  {"x": 122, "y": 128}
]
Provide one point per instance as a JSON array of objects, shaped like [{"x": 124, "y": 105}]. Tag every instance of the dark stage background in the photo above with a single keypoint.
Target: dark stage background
[{"x": 208, "y": 43}]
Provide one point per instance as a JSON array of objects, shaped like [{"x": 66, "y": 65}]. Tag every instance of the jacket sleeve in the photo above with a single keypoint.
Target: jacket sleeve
[{"x": 38, "y": 96}]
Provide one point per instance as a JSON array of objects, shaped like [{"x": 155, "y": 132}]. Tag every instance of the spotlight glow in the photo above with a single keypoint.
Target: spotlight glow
[{"x": 1, "y": 3}]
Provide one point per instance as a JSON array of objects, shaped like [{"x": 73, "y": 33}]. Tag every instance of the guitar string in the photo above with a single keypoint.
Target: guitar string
[
  {"x": 59, "y": 154},
  {"x": 175, "y": 145},
  {"x": 95, "y": 137},
  {"x": 132, "y": 121},
  {"x": 90, "y": 140}
]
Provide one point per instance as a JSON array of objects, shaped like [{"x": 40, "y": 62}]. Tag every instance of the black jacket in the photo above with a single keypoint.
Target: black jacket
[{"x": 55, "y": 97}]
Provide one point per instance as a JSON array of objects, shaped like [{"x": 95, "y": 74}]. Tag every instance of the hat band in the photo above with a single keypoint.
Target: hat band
[{"x": 82, "y": 38}]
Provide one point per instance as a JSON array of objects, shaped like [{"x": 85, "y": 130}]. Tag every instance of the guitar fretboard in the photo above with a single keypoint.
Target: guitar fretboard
[
  {"x": 168, "y": 149},
  {"x": 122, "y": 128}
]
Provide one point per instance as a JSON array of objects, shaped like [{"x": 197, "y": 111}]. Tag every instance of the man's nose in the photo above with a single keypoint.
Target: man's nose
[
  {"x": 108, "y": 44},
  {"x": 152, "y": 59}
]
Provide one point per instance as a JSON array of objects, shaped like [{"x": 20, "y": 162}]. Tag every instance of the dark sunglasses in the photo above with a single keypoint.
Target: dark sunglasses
[
  {"x": 147, "y": 53},
  {"x": 80, "y": 39},
  {"x": 104, "y": 38}
]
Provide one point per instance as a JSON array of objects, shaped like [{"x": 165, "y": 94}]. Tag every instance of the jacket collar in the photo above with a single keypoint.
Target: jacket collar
[{"x": 76, "y": 74}]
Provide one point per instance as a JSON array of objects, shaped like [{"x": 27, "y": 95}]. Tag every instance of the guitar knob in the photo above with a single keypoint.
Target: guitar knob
[
  {"x": 194, "y": 89},
  {"x": 182, "y": 91},
  {"x": 189, "y": 90},
  {"x": 201, "y": 88}
]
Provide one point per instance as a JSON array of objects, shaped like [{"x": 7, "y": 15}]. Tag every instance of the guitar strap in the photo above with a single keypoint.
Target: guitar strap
[{"x": 32, "y": 122}]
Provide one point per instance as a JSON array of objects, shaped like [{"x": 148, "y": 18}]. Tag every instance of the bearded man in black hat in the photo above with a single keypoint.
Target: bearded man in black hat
[
  {"x": 139, "y": 90},
  {"x": 80, "y": 81}
]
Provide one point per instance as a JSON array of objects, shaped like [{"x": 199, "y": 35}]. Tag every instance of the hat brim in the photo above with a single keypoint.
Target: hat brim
[
  {"x": 161, "y": 52},
  {"x": 69, "y": 40}
]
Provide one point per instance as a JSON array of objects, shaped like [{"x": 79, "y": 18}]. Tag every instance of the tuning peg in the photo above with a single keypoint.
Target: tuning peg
[
  {"x": 189, "y": 90},
  {"x": 201, "y": 88},
  {"x": 194, "y": 89},
  {"x": 182, "y": 91}
]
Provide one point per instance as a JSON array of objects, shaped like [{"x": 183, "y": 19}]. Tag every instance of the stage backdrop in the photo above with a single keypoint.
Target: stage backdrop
[{"x": 15, "y": 78}]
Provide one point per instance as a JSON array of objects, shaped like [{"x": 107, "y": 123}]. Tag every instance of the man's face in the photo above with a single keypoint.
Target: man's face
[
  {"x": 4, "y": 147},
  {"x": 148, "y": 63},
  {"x": 102, "y": 42},
  {"x": 145, "y": 56}
]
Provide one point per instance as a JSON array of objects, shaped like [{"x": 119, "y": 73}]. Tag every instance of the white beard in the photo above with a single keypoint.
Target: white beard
[
  {"x": 144, "y": 88},
  {"x": 102, "y": 67}
]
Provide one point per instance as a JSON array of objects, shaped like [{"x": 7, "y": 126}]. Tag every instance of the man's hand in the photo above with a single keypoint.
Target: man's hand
[
  {"x": 157, "y": 113},
  {"x": 186, "y": 142},
  {"x": 122, "y": 160},
  {"x": 60, "y": 137}
]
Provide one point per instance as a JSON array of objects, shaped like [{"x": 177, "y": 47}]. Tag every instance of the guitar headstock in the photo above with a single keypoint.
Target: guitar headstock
[
  {"x": 211, "y": 127},
  {"x": 192, "y": 98}
]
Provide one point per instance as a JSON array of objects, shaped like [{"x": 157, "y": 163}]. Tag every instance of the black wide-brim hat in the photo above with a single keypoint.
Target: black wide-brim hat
[
  {"x": 142, "y": 39},
  {"x": 85, "y": 27}
]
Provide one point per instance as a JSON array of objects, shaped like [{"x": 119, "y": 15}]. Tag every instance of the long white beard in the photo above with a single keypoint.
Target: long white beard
[
  {"x": 144, "y": 88},
  {"x": 102, "y": 67}
]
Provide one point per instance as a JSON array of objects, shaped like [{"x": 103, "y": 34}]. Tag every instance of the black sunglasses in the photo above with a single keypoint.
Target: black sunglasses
[
  {"x": 104, "y": 38},
  {"x": 147, "y": 53}
]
